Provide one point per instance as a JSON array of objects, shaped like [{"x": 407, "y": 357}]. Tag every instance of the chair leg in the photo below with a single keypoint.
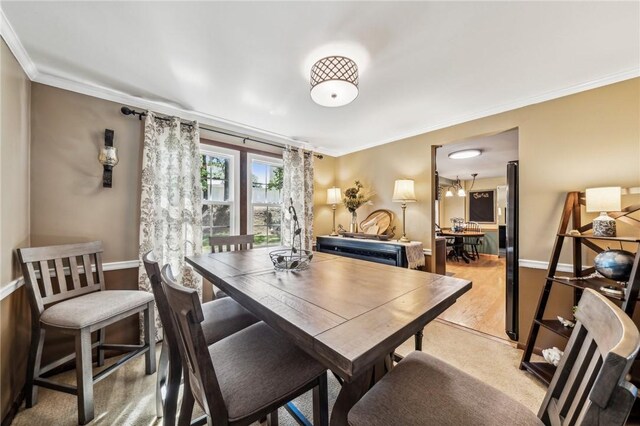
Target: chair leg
[
  {"x": 33, "y": 363},
  {"x": 84, "y": 376},
  {"x": 321, "y": 402},
  {"x": 173, "y": 389},
  {"x": 150, "y": 338},
  {"x": 100, "y": 350},
  {"x": 272, "y": 420},
  {"x": 186, "y": 408},
  {"x": 161, "y": 378},
  {"x": 418, "y": 339}
]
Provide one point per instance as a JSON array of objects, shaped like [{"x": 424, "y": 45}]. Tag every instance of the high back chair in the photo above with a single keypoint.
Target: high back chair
[
  {"x": 244, "y": 377},
  {"x": 67, "y": 292},
  {"x": 589, "y": 386},
  {"x": 473, "y": 242},
  {"x": 222, "y": 318},
  {"x": 230, "y": 243}
]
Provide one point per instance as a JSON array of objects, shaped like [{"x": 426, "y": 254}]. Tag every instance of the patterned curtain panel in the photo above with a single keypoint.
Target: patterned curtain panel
[
  {"x": 297, "y": 186},
  {"x": 171, "y": 199}
]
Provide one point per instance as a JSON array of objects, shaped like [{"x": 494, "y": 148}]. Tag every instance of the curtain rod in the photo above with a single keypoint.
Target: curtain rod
[{"x": 128, "y": 111}]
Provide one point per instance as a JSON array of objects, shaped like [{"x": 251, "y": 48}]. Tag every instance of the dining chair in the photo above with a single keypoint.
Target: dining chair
[
  {"x": 588, "y": 388},
  {"x": 67, "y": 292},
  {"x": 473, "y": 242},
  {"x": 230, "y": 243},
  {"x": 222, "y": 318},
  {"x": 242, "y": 378}
]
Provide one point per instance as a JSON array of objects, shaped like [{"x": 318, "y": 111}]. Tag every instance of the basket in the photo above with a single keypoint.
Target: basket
[{"x": 287, "y": 260}]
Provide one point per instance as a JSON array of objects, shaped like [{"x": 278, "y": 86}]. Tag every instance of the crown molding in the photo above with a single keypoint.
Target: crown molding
[
  {"x": 101, "y": 92},
  {"x": 498, "y": 109},
  {"x": 16, "y": 47}
]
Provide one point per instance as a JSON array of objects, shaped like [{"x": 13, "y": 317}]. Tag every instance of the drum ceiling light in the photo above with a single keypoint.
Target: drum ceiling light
[
  {"x": 466, "y": 153},
  {"x": 334, "y": 81}
]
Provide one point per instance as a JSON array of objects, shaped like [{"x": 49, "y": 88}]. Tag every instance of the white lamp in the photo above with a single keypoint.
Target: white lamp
[
  {"x": 604, "y": 200},
  {"x": 403, "y": 192},
  {"x": 334, "y": 197}
]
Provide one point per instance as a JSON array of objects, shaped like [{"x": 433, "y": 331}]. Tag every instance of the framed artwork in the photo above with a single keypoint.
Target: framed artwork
[{"x": 482, "y": 206}]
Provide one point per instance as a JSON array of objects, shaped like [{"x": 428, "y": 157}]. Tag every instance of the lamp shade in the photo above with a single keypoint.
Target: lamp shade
[
  {"x": 403, "y": 191},
  {"x": 334, "y": 81},
  {"x": 334, "y": 196},
  {"x": 604, "y": 199}
]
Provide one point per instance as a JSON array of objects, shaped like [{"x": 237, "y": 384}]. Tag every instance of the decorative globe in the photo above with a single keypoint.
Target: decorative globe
[{"x": 615, "y": 264}]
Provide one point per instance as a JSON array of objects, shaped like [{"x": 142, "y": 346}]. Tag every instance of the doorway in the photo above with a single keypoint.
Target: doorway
[{"x": 475, "y": 209}]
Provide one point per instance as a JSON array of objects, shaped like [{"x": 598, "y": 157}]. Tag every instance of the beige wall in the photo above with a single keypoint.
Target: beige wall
[
  {"x": 579, "y": 141},
  {"x": 68, "y": 201},
  {"x": 15, "y": 107},
  {"x": 584, "y": 140},
  {"x": 14, "y": 163},
  {"x": 324, "y": 178}
]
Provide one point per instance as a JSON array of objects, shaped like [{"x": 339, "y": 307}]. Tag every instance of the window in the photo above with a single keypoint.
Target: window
[
  {"x": 219, "y": 176},
  {"x": 265, "y": 199}
]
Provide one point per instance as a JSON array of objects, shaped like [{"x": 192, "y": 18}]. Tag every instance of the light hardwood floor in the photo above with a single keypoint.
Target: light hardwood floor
[{"x": 483, "y": 307}]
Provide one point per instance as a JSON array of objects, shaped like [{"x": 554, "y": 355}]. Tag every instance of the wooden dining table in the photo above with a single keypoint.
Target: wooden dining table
[
  {"x": 459, "y": 241},
  {"x": 349, "y": 314}
]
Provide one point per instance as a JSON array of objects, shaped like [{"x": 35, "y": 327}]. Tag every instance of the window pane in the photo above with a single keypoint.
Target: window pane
[
  {"x": 215, "y": 175},
  {"x": 274, "y": 236},
  {"x": 260, "y": 236}
]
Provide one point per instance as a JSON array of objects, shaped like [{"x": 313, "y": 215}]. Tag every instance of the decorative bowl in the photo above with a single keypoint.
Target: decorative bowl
[
  {"x": 615, "y": 264},
  {"x": 290, "y": 260}
]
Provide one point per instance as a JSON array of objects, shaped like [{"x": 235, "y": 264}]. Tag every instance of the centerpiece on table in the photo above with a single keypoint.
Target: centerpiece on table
[
  {"x": 353, "y": 199},
  {"x": 294, "y": 258}
]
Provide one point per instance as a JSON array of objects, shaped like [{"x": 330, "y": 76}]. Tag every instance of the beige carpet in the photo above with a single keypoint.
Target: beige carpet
[{"x": 127, "y": 396}]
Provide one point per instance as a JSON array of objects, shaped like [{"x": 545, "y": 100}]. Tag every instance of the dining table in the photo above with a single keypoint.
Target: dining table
[
  {"x": 458, "y": 243},
  {"x": 349, "y": 314}
]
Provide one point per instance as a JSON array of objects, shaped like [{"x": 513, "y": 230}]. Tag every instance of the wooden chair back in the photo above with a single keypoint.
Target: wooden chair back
[
  {"x": 231, "y": 243},
  {"x": 472, "y": 226},
  {"x": 186, "y": 311},
  {"x": 152, "y": 267},
  {"x": 589, "y": 386},
  {"x": 46, "y": 271}
]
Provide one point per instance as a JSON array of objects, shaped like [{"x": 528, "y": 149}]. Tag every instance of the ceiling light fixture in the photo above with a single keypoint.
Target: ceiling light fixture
[
  {"x": 465, "y": 153},
  {"x": 334, "y": 81}
]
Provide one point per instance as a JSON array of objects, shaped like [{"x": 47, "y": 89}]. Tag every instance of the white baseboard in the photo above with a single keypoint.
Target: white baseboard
[{"x": 111, "y": 266}]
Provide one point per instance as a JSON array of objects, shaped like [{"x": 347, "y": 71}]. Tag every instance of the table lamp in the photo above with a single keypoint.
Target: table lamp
[
  {"x": 334, "y": 197},
  {"x": 403, "y": 192},
  {"x": 604, "y": 200}
]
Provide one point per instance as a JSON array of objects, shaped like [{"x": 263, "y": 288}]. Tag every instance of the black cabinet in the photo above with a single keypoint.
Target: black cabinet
[{"x": 387, "y": 252}]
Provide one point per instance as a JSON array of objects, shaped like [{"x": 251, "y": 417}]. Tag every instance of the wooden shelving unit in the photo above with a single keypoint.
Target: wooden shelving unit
[{"x": 626, "y": 300}]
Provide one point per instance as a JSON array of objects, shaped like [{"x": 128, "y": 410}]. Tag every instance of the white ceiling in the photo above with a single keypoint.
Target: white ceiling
[
  {"x": 497, "y": 151},
  {"x": 245, "y": 65}
]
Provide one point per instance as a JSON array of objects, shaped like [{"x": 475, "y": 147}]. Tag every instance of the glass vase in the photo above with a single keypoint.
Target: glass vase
[{"x": 353, "y": 226}]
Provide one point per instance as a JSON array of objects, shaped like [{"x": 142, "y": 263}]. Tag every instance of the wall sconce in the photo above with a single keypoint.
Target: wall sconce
[{"x": 108, "y": 157}]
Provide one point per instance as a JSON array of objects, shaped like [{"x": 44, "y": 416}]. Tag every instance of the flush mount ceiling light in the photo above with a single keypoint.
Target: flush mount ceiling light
[
  {"x": 466, "y": 153},
  {"x": 334, "y": 81}
]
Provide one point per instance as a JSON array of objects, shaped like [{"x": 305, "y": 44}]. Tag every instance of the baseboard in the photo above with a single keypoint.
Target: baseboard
[{"x": 14, "y": 408}]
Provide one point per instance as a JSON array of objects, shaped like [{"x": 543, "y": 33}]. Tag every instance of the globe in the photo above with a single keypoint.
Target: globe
[{"x": 615, "y": 264}]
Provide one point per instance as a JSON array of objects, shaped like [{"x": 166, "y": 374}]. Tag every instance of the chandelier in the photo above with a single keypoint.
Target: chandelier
[
  {"x": 334, "y": 81},
  {"x": 458, "y": 188}
]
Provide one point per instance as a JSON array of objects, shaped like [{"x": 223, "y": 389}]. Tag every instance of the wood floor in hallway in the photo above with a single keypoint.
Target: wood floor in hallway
[{"x": 483, "y": 307}]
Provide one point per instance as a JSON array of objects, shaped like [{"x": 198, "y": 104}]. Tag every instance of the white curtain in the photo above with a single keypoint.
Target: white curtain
[
  {"x": 297, "y": 186},
  {"x": 171, "y": 199}
]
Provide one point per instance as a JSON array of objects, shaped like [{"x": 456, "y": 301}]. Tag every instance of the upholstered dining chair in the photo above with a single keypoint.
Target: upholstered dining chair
[
  {"x": 67, "y": 292},
  {"x": 222, "y": 318},
  {"x": 244, "y": 377},
  {"x": 230, "y": 243},
  {"x": 588, "y": 388}
]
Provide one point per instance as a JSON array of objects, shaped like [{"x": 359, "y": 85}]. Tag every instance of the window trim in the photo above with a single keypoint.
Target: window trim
[
  {"x": 212, "y": 150},
  {"x": 278, "y": 162}
]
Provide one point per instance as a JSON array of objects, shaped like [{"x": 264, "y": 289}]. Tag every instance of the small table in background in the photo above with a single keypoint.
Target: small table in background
[{"x": 459, "y": 241}]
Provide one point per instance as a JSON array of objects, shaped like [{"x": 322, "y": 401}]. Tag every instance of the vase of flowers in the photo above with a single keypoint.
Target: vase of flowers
[{"x": 353, "y": 199}]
